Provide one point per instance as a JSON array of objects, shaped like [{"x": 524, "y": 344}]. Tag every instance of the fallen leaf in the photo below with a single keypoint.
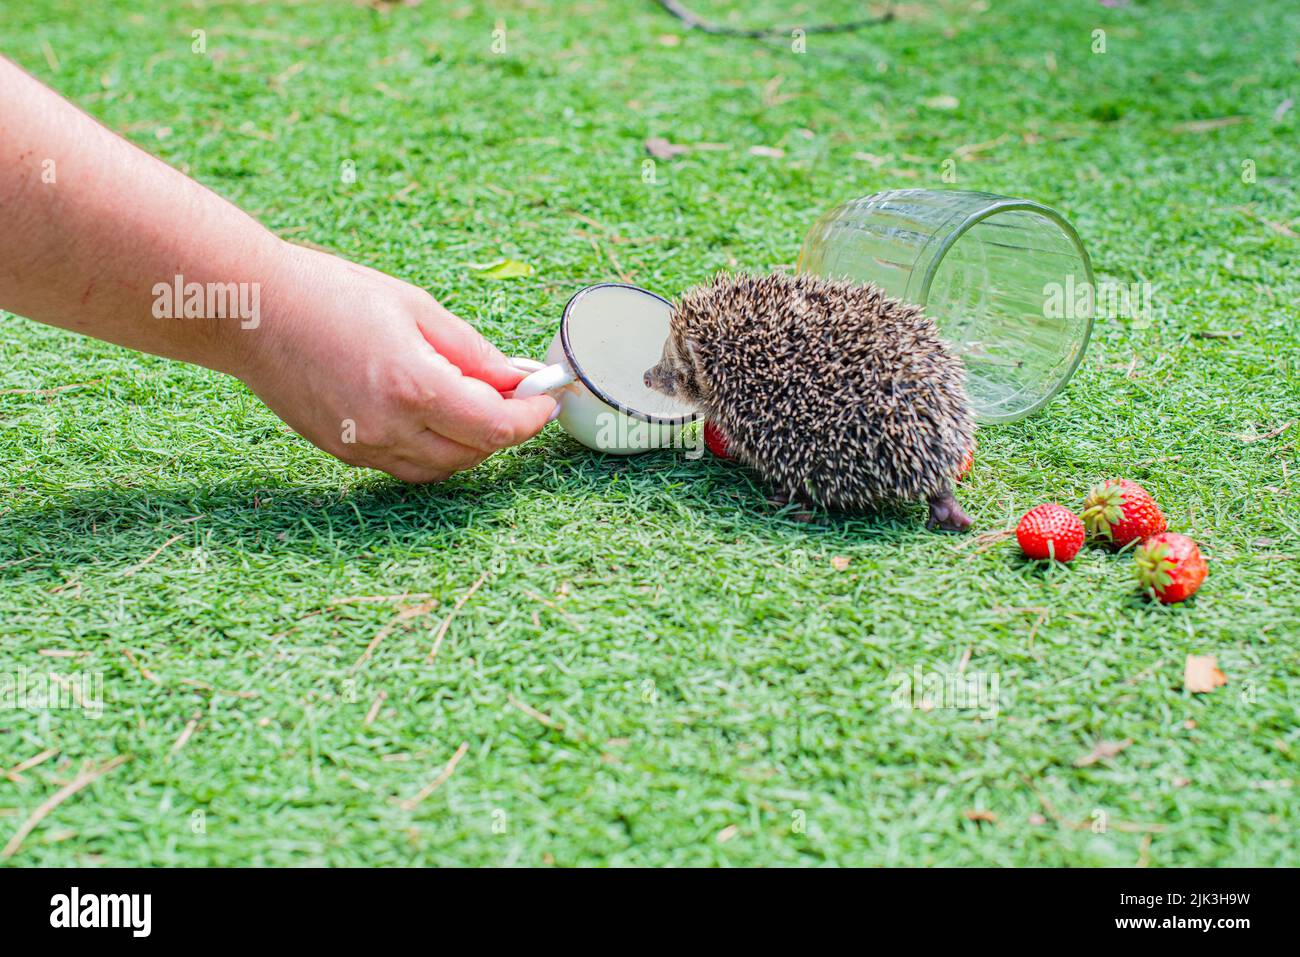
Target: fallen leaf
[
  {"x": 1201, "y": 674},
  {"x": 1103, "y": 750},
  {"x": 1037, "y": 820},
  {"x": 988, "y": 817},
  {"x": 943, "y": 102},
  {"x": 660, "y": 148},
  {"x": 669, "y": 39},
  {"x": 1182, "y": 782},
  {"x": 773, "y": 152},
  {"x": 727, "y": 833},
  {"x": 502, "y": 269},
  {"x": 840, "y": 562}
]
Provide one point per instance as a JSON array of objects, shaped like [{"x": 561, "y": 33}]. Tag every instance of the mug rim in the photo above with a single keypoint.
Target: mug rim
[{"x": 599, "y": 393}]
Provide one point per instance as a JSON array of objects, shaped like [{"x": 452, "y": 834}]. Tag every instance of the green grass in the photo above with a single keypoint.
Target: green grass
[{"x": 706, "y": 671}]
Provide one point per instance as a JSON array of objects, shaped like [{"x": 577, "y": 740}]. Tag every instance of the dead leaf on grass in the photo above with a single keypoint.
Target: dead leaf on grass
[
  {"x": 1201, "y": 674},
  {"x": 1102, "y": 751}
]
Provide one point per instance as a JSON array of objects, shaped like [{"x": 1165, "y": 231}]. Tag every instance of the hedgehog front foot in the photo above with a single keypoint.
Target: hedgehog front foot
[
  {"x": 946, "y": 514},
  {"x": 782, "y": 499}
]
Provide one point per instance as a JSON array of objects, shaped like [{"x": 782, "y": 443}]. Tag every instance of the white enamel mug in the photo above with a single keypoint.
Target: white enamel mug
[{"x": 609, "y": 335}]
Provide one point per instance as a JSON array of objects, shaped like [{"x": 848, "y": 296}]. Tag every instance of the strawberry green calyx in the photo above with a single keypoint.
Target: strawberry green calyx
[
  {"x": 1103, "y": 509},
  {"x": 1121, "y": 512},
  {"x": 1169, "y": 567},
  {"x": 1155, "y": 569}
]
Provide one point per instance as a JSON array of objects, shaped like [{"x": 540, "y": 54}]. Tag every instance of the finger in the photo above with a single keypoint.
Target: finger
[
  {"x": 473, "y": 413},
  {"x": 467, "y": 350}
]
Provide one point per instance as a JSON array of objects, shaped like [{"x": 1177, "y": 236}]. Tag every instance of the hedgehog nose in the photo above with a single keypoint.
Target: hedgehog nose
[{"x": 648, "y": 379}]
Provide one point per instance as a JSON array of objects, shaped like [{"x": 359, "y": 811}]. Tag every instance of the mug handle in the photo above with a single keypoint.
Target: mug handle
[{"x": 543, "y": 379}]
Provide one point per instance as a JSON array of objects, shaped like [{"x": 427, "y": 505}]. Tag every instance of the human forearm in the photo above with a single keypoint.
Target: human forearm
[{"x": 90, "y": 225}]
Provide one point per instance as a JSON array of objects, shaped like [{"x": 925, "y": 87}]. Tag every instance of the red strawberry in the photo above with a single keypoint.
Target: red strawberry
[
  {"x": 716, "y": 441},
  {"x": 1050, "y": 531},
  {"x": 967, "y": 463},
  {"x": 1120, "y": 512},
  {"x": 1170, "y": 567}
]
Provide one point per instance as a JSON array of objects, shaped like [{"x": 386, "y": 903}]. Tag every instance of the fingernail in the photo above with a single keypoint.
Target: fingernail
[{"x": 555, "y": 413}]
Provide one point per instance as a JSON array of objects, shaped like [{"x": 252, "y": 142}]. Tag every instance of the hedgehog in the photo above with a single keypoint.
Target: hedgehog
[{"x": 837, "y": 395}]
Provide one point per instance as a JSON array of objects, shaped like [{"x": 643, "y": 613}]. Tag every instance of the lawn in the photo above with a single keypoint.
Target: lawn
[{"x": 656, "y": 667}]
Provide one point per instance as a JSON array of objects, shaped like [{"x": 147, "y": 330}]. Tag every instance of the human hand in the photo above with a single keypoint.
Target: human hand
[
  {"x": 374, "y": 371},
  {"x": 367, "y": 367}
]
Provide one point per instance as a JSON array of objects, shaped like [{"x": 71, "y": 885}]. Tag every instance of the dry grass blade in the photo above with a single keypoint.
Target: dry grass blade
[
  {"x": 556, "y": 608},
  {"x": 15, "y": 773},
  {"x": 152, "y": 555},
  {"x": 533, "y": 713},
  {"x": 186, "y": 733},
  {"x": 986, "y": 540},
  {"x": 446, "y": 622},
  {"x": 410, "y": 803},
  {"x": 379, "y": 599},
  {"x": 1271, "y": 434},
  {"x": 149, "y": 675},
  {"x": 54, "y": 391},
  {"x": 1205, "y": 126},
  {"x": 82, "y": 780},
  {"x": 375, "y": 705},
  {"x": 404, "y": 614}
]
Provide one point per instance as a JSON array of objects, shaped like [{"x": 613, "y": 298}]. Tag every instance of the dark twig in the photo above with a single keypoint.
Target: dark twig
[{"x": 694, "y": 22}]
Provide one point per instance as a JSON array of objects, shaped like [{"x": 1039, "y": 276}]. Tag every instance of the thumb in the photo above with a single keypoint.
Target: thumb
[{"x": 462, "y": 345}]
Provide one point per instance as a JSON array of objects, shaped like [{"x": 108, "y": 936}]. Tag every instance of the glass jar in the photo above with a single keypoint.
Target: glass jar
[{"x": 1007, "y": 281}]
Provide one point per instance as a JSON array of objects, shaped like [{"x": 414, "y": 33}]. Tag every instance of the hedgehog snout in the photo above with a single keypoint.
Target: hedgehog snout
[{"x": 659, "y": 379}]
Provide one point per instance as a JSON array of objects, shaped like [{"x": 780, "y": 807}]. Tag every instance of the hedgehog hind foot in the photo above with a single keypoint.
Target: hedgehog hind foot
[{"x": 946, "y": 514}]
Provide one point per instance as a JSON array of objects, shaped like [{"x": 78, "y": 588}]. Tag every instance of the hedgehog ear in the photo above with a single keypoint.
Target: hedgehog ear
[{"x": 693, "y": 357}]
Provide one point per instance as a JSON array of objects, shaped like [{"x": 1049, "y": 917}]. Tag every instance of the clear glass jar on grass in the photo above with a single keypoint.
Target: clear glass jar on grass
[{"x": 1007, "y": 281}]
